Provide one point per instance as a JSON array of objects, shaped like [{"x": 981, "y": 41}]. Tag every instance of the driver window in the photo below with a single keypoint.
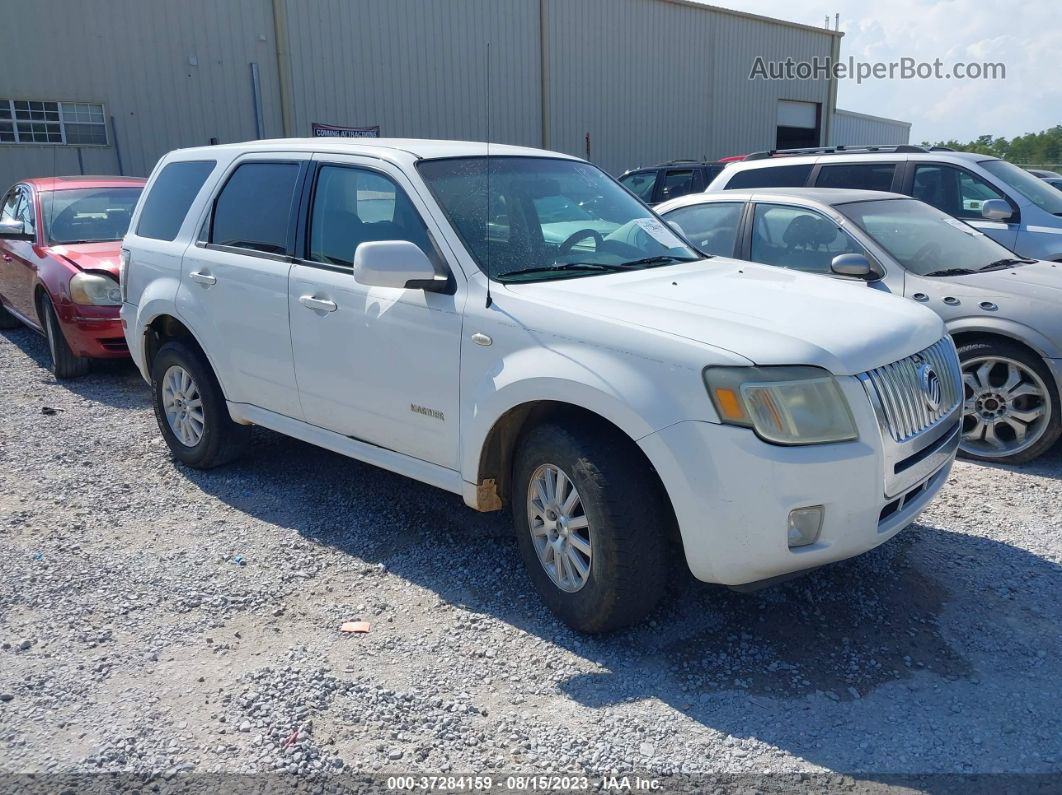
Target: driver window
[
  {"x": 7, "y": 212},
  {"x": 797, "y": 238},
  {"x": 352, "y": 206},
  {"x": 25, "y": 211},
  {"x": 956, "y": 192}
]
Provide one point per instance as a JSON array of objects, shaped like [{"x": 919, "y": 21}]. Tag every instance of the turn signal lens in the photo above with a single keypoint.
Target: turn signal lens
[{"x": 729, "y": 404}]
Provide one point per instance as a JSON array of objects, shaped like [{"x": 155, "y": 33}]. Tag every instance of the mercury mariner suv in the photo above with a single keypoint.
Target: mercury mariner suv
[{"x": 513, "y": 326}]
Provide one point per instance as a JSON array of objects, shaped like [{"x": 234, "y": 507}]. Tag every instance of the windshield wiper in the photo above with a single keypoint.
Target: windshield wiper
[
  {"x": 951, "y": 272},
  {"x": 1005, "y": 263},
  {"x": 663, "y": 259},
  {"x": 563, "y": 268}
]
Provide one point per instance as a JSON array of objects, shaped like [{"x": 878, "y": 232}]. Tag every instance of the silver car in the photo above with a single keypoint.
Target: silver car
[
  {"x": 1002, "y": 310},
  {"x": 1006, "y": 202}
]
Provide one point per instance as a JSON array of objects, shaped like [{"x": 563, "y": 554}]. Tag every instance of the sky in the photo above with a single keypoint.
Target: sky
[{"x": 1025, "y": 36}]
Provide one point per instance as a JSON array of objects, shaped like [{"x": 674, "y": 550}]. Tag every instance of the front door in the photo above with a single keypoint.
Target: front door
[
  {"x": 378, "y": 364},
  {"x": 234, "y": 282}
]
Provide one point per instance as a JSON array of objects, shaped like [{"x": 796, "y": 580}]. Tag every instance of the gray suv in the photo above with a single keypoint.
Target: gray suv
[
  {"x": 1002, "y": 310},
  {"x": 1007, "y": 203}
]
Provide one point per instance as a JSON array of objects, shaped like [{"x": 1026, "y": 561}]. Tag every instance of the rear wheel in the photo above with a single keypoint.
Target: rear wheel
[
  {"x": 1010, "y": 404},
  {"x": 64, "y": 363},
  {"x": 190, "y": 409},
  {"x": 592, "y": 525}
]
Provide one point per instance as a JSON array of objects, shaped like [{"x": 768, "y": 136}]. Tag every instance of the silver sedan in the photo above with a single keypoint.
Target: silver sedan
[{"x": 1002, "y": 310}]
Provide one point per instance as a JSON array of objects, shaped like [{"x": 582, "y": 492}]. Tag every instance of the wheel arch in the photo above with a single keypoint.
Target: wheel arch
[
  {"x": 165, "y": 327},
  {"x": 966, "y": 329},
  {"x": 494, "y": 474}
]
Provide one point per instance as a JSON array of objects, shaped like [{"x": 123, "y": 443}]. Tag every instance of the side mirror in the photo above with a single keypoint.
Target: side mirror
[
  {"x": 996, "y": 210},
  {"x": 14, "y": 229},
  {"x": 396, "y": 263},
  {"x": 852, "y": 265}
]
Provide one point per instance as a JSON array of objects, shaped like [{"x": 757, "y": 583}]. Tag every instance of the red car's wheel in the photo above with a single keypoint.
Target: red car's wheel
[{"x": 64, "y": 363}]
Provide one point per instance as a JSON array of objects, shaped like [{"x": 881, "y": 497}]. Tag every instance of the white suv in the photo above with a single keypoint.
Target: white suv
[{"x": 520, "y": 330}]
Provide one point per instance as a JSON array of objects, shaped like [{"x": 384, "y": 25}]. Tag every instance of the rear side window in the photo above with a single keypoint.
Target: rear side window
[
  {"x": 711, "y": 227},
  {"x": 170, "y": 197},
  {"x": 253, "y": 210},
  {"x": 640, "y": 183},
  {"x": 771, "y": 177},
  {"x": 864, "y": 176},
  {"x": 677, "y": 183}
]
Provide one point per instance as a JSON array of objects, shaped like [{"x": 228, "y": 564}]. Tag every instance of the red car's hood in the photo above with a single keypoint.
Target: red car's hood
[{"x": 91, "y": 256}]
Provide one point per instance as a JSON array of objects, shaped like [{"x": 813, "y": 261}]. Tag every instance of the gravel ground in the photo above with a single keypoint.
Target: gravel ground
[{"x": 155, "y": 619}]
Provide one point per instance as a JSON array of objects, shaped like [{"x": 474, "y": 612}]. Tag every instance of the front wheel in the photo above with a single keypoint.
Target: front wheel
[
  {"x": 190, "y": 409},
  {"x": 64, "y": 363},
  {"x": 592, "y": 525},
  {"x": 1010, "y": 404}
]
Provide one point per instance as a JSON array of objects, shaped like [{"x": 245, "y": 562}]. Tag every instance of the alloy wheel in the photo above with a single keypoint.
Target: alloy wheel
[
  {"x": 183, "y": 406},
  {"x": 1006, "y": 407},
  {"x": 560, "y": 530}
]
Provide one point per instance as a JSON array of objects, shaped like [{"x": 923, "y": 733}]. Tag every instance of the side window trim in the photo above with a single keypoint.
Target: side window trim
[{"x": 207, "y": 228}]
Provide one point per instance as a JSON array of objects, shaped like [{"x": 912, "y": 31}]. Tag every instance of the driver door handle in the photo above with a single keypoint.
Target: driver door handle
[
  {"x": 318, "y": 304},
  {"x": 203, "y": 278}
]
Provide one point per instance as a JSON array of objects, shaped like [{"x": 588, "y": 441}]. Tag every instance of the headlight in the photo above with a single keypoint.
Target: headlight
[
  {"x": 95, "y": 289},
  {"x": 783, "y": 405}
]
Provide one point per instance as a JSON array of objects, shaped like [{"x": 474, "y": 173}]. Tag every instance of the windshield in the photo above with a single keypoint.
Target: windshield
[
  {"x": 87, "y": 215},
  {"x": 923, "y": 239},
  {"x": 548, "y": 218},
  {"x": 1032, "y": 188}
]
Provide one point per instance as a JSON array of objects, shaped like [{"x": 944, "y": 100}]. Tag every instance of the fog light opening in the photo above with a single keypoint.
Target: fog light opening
[{"x": 805, "y": 525}]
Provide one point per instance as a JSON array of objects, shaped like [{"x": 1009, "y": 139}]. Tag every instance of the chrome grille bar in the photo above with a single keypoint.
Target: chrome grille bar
[{"x": 901, "y": 398}]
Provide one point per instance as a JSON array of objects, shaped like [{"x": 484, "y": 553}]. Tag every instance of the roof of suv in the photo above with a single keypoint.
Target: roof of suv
[
  {"x": 419, "y": 148},
  {"x": 827, "y": 196}
]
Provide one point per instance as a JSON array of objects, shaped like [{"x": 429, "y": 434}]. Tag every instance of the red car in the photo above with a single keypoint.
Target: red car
[{"x": 60, "y": 243}]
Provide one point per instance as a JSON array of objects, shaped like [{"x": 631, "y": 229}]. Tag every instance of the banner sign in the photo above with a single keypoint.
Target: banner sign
[{"x": 334, "y": 131}]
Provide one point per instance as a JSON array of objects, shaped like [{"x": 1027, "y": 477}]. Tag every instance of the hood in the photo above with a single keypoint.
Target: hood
[
  {"x": 767, "y": 315},
  {"x": 91, "y": 256},
  {"x": 1040, "y": 280}
]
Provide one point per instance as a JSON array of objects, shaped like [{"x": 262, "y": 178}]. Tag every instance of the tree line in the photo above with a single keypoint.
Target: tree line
[{"x": 1032, "y": 149}]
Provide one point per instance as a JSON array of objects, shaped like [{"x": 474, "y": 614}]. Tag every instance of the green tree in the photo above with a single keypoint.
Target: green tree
[{"x": 1042, "y": 149}]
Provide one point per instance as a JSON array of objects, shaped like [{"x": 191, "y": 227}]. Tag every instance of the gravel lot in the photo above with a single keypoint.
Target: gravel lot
[{"x": 155, "y": 619}]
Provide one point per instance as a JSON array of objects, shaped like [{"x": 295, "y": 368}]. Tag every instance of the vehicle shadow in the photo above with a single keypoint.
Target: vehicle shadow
[
  {"x": 869, "y": 666},
  {"x": 113, "y": 382},
  {"x": 1048, "y": 465}
]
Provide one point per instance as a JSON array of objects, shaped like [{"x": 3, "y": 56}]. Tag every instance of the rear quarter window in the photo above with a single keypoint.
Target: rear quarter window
[
  {"x": 170, "y": 196},
  {"x": 771, "y": 177}
]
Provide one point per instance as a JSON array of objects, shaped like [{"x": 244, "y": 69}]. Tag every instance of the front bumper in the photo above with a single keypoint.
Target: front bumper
[
  {"x": 732, "y": 494},
  {"x": 93, "y": 331}
]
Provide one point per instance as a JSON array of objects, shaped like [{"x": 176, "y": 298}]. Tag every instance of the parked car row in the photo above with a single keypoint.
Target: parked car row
[{"x": 519, "y": 329}]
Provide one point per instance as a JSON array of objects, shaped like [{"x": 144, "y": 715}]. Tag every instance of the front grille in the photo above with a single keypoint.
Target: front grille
[{"x": 903, "y": 390}]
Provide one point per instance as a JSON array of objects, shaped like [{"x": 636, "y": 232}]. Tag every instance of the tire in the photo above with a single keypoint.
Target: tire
[
  {"x": 64, "y": 363},
  {"x": 627, "y": 524},
  {"x": 7, "y": 320},
  {"x": 210, "y": 437},
  {"x": 988, "y": 401}
]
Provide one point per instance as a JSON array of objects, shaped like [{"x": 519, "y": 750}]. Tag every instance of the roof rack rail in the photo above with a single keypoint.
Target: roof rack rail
[
  {"x": 840, "y": 150},
  {"x": 679, "y": 160}
]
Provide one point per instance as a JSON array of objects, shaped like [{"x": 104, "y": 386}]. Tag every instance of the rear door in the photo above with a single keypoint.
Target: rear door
[
  {"x": 234, "y": 280},
  {"x": 23, "y": 258},
  {"x": 711, "y": 226},
  {"x": 677, "y": 182},
  {"x": 642, "y": 184},
  {"x": 880, "y": 175},
  {"x": 380, "y": 364}
]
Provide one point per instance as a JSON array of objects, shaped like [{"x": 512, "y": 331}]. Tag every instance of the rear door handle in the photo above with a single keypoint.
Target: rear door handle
[
  {"x": 318, "y": 304},
  {"x": 8, "y": 258},
  {"x": 203, "y": 278}
]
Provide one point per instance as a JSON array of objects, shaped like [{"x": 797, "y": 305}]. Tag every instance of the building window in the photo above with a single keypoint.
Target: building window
[{"x": 26, "y": 121}]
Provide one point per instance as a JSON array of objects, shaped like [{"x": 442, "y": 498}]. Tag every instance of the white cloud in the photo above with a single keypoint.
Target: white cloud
[{"x": 1024, "y": 37}]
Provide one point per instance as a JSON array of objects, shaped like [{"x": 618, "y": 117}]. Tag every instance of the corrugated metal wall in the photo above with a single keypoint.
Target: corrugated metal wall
[
  {"x": 417, "y": 67},
  {"x": 850, "y": 129},
  {"x": 136, "y": 57},
  {"x": 649, "y": 80}
]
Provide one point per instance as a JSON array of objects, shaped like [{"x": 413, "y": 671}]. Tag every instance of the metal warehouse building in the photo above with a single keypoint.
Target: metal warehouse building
[{"x": 109, "y": 86}]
